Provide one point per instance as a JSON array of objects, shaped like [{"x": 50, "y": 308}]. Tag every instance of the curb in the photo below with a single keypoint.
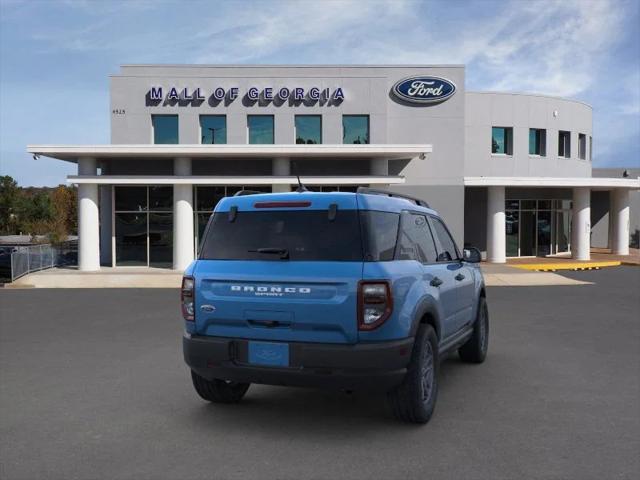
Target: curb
[{"x": 574, "y": 266}]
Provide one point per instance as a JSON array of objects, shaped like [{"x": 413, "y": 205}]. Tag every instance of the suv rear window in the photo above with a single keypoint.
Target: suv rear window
[
  {"x": 380, "y": 232},
  {"x": 284, "y": 234}
]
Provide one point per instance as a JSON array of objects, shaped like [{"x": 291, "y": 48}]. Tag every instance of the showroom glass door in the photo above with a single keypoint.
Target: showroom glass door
[
  {"x": 527, "y": 233},
  {"x": 143, "y": 226},
  {"x": 544, "y": 234},
  {"x": 563, "y": 231}
]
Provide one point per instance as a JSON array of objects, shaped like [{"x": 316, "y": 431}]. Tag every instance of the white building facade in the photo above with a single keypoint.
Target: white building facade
[{"x": 510, "y": 173}]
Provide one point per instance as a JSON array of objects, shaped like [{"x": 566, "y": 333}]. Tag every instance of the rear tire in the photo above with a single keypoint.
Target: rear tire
[
  {"x": 475, "y": 349},
  {"x": 415, "y": 398},
  {"x": 219, "y": 391}
]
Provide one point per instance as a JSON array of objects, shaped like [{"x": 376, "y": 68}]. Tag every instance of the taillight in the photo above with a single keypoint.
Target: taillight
[
  {"x": 187, "y": 298},
  {"x": 375, "y": 304}
]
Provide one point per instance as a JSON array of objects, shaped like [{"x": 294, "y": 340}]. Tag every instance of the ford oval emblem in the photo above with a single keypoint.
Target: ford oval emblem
[{"x": 424, "y": 89}]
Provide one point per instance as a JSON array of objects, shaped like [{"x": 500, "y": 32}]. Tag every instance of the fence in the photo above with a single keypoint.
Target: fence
[{"x": 33, "y": 258}]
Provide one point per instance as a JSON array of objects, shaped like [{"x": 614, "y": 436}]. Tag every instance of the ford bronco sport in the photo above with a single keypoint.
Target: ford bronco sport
[{"x": 362, "y": 290}]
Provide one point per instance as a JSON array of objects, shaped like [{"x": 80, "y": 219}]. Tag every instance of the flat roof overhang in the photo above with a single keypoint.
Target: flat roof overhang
[
  {"x": 71, "y": 153},
  {"x": 235, "y": 180},
  {"x": 595, "y": 183}
]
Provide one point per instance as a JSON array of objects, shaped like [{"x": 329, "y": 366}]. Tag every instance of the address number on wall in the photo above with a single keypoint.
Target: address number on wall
[{"x": 118, "y": 111}]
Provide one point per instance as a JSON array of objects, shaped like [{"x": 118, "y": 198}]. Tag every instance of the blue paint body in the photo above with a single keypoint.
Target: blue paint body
[{"x": 317, "y": 301}]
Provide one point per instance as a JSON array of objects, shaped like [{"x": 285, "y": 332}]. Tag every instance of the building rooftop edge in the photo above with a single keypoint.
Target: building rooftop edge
[
  {"x": 526, "y": 94},
  {"x": 293, "y": 65}
]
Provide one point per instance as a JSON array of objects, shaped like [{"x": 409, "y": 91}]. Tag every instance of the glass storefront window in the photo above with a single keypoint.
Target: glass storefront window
[
  {"x": 308, "y": 129},
  {"x": 165, "y": 129},
  {"x": 355, "y": 129},
  {"x": 527, "y": 233},
  {"x": 161, "y": 198},
  {"x": 563, "y": 231},
  {"x": 161, "y": 240},
  {"x": 538, "y": 141},
  {"x": 502, "y": 140},
  {"x": 208, "y": 197},
  {"x": 131, "y": 199},
  {"x": 131, "y": 239},
  {"x": 144, "y": 226},
  {"x": 512, "y": 227},
  {"x": 260, "y": 129},
  {"x": 213, "y": 129},
  {"x": 545, "y": 233},
  {"x": 563, "y": 204},
  {"x": 538, "y": 227}
]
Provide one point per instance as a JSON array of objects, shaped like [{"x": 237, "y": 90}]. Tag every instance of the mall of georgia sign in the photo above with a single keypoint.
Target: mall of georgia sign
[{"x": 424, "y": 89}]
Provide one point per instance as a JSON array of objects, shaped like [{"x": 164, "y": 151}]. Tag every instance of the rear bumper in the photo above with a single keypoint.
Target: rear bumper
[{"x": 368, "y": 366}]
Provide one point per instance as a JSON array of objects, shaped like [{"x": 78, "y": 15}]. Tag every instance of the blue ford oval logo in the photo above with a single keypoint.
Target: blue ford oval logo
[{"x": 424, "y": 89}]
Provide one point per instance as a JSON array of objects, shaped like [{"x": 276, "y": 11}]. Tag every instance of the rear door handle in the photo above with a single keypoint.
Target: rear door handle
[
  {"x": 459, "y": 277},
  {"x": 436, "y": 282}
]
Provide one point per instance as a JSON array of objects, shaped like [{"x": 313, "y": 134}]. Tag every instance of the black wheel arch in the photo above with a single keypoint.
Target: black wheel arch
[{"x": 427, "y": 313}]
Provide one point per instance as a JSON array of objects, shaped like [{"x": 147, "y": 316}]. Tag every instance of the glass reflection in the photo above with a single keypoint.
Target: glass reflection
[
  {"x": 161, "y": 239},
  {"x": 131, "y": 239},
  {"x": 355, "y": 129},
  {"x": 260, "y": 129},
  {"x": 165, "y": 129},
  {"x": 308, "y": 129},
  {"x": 213, "y": 129}
]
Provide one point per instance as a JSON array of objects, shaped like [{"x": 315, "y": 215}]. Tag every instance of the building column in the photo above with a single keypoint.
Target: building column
[
  {"x": 182, "y": 217},
  {"x": 619, "y": 216},
  {"x": 581, "y": 224},
  {"x": 379, "y": 167},
  {"x": 496, "y": 230},
  {"x": 281, "y": 167},
  {"x": 88, "y": 219}
]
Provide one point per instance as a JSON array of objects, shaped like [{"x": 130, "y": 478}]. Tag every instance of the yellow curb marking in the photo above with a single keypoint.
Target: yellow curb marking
[{"x": 552, "y": 267}]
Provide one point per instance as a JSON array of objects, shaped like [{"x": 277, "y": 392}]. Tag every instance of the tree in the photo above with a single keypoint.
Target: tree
[
  {"x": 64, "y": 220},
  {"x": 36, "y": 212},
  {"x": 9, "y": 199}
]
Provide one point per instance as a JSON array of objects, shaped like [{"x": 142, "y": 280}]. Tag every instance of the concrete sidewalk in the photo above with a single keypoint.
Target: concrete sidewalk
[
  {"x": 137, "y": 277},
  {"x": 501, "y": 275},
  {"x": 107, "y": 277}
]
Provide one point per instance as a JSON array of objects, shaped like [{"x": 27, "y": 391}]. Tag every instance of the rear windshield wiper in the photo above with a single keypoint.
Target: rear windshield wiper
[{"x": 283, "y": 252}]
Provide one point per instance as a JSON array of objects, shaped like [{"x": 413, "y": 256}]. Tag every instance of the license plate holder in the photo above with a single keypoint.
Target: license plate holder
[{"x": 269, "y": 354}]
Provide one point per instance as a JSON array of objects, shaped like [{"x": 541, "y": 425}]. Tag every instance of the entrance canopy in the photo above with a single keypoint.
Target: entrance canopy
[
  {"x": 71, "y": 153},
  {"x": 594, "y": 183}
]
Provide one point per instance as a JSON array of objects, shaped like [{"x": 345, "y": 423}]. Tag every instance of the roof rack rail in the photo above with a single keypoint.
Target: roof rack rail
[
  {"x": 373, "y": 191},
  {"x": 242, "y": 193}
]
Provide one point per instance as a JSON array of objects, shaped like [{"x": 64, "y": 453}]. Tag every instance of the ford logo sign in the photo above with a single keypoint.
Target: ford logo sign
[{"x": 424, "y": 89}]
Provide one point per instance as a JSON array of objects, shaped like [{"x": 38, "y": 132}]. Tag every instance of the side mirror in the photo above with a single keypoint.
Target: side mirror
[{"x": 471, "y": 255}]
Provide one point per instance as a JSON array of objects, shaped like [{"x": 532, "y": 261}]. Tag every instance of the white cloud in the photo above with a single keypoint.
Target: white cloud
[{"x": 565, "y": 48}]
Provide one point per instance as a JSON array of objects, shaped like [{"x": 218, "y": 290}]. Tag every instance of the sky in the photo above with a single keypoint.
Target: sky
[{"x": 56, "y": 56}]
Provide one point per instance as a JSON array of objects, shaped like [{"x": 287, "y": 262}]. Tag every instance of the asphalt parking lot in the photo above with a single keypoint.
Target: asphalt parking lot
[{"x": 93, "y": 386}]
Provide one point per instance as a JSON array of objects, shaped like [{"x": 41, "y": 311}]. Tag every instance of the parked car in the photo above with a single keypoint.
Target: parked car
[{"x": 354, "y": 291}]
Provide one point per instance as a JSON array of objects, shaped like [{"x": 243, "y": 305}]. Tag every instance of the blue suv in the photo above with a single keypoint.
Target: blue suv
[{"x": 363, "y": 290}]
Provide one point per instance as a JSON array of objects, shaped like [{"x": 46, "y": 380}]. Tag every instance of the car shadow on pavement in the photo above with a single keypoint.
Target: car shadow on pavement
[{"x": 287, "y": 411}]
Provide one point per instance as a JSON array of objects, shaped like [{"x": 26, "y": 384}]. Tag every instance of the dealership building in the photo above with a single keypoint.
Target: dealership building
[{"x": 510, "y": 173}]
